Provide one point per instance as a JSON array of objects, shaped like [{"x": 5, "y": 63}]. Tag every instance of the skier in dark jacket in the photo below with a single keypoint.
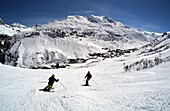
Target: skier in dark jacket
[
  {"x": 88, "y": 77},
  {"x": 51, "y": 82}
]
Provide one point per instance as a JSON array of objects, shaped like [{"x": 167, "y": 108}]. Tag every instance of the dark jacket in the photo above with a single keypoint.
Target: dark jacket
[
  {"x": 88, "y": 76},
  {"x": 52, "y": 80}
]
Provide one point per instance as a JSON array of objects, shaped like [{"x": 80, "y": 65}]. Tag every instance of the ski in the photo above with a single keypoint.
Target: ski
[
  {"x": 45, "y": 90},
  {"x": 85, "y": 85}
]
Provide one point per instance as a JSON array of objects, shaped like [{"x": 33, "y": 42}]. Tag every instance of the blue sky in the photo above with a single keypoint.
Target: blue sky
[{"x": 149, "y": 15}]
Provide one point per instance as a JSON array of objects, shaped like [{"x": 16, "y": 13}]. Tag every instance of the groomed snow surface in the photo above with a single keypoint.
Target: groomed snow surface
[{"x": 114, "y": 90}]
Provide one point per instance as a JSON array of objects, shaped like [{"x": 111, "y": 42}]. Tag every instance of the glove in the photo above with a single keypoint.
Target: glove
[{"x": 57, "y": 80}]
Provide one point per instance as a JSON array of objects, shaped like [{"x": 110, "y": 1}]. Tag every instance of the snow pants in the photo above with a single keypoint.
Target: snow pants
[{"x": 48, "y": 87}]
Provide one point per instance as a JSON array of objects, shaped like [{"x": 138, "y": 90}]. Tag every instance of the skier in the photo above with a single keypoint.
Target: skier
[
  {"x": 88, "y": 77},
  {"x": 50, "y": 83}
]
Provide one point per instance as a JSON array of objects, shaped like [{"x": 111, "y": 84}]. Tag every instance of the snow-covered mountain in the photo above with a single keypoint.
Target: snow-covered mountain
[
  {"x": 12, "y": 29},
  {"x": 65, "y": 41},
  {"x": 159, "y": 45},
  {"x": 152, "y": 54},
  {"x": 6, "y": 30},
  {"x": 97, "y": 27},
  {"x": 18, "y": 25}
]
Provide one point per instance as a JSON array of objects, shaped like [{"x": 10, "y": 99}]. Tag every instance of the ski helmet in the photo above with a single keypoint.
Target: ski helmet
[{"x": 53, "y": 75}]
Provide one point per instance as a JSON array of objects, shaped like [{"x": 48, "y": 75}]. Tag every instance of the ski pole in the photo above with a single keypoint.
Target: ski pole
[
  {"x": 62, "y": 85},
  {"x": 94, "y": 81}
]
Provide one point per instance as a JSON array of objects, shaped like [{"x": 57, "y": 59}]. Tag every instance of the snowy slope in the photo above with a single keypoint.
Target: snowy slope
[
  {"x": 116, "y": 90},
  {"x": 58, "y": 50},
  {"x": 7, "y": 31}
]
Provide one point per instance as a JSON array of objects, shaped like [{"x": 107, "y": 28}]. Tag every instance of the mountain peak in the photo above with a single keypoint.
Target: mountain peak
[
  {"x": 76, "y": 18},
  {"x": 18, "y": 25},
  {"x": 98, "y": 19},
  {"x": 91, "y": 18}
]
